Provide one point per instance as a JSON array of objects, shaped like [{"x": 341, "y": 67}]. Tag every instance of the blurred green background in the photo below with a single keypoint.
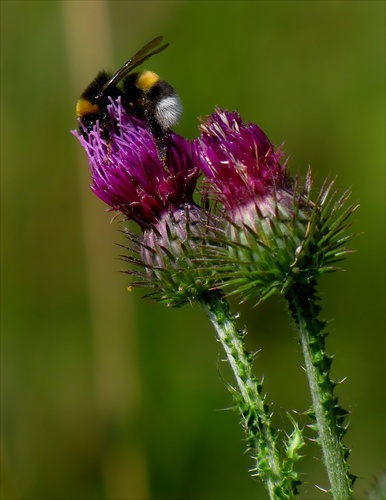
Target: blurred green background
[{"x": 105, "y": 396}]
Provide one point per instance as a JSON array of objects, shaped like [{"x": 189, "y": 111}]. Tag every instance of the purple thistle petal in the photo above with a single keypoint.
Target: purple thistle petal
[
  {"x": 127, "y": 173},
  {"x": 240, "y": 162}
]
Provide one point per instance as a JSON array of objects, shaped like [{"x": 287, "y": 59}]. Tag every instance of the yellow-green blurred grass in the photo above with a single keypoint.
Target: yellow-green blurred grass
[{"x": 106, "y": 396}]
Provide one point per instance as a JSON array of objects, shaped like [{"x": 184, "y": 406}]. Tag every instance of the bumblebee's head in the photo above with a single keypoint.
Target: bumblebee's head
[
  {"x": 93, "y": 100},
  {"x": 85, "y": 107}
]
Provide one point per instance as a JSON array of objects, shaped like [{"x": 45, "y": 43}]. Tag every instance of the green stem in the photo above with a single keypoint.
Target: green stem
[
  {"x": 328, "y": 413},
  {"x": 280, "y": 481}
]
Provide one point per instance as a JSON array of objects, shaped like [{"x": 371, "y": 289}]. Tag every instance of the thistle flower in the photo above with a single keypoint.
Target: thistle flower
[
  {"x": 276, "y": 235},
  {"x": 128, "y": 175}
]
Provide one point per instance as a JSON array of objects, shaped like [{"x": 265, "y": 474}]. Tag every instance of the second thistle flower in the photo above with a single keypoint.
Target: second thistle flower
[{"x": 276, "y": 236}]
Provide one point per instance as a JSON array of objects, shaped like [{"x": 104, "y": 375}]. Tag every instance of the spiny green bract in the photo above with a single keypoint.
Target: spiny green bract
[
  {"x": 258, "y": 255},
  {"x": 166, "y": 257}
]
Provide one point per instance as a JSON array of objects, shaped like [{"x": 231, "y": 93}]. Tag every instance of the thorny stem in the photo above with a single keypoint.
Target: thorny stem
[
  {"x": 328, "y": 413},
  {"x": 254, "y": 411}
]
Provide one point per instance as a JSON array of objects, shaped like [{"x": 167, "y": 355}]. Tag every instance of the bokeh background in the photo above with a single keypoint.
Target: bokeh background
[{"x": 105, "y": 396}]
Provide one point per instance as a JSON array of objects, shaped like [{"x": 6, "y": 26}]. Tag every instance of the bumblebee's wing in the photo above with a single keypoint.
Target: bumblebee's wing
[{"x": 142, "y": 55}]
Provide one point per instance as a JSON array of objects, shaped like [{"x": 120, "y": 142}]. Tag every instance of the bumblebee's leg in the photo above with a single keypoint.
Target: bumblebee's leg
[{"x": 159, "y": 136}]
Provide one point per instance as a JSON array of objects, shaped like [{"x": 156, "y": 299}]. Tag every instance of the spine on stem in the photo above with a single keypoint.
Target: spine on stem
[
  {"x": 327, "y": 412},
  {"x": 277, "y": 473}
]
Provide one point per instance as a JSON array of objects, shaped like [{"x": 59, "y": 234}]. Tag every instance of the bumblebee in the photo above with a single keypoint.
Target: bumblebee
[{"x": 143, "y": 95}]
